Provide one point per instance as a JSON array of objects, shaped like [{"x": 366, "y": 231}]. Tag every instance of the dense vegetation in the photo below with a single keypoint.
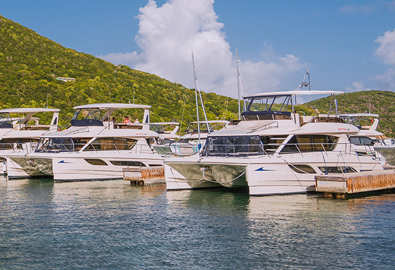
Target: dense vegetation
[
  {"x": 30, "y": 63},
  {"x": 379, "y": 102}
]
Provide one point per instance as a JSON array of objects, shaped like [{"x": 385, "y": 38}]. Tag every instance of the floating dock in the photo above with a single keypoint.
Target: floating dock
[
  {"x": 144, "y": 176},
  {"x": 355, "y": 183}
]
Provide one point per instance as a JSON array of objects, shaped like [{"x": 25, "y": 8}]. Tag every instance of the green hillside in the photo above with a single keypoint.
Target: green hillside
[
  {"x": 380, "y": 102},
  {"x": 30, "y": 63}
]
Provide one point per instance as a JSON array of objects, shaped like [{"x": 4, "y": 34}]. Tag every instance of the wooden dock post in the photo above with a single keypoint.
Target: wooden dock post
[
  {"x": 355, "y": 183},
  {"x": 144, "y": 175}
]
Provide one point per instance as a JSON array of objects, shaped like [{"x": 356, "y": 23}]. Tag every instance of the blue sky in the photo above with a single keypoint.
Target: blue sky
[{"x": 347, "y": 45}]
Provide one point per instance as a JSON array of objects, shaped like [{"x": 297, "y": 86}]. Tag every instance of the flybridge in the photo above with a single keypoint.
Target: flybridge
[
  {"x": 277, "y": 105},
  {"x": 96, "y": 114}
]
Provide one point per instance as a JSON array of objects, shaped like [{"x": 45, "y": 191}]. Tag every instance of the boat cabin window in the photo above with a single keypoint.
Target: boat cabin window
[
  {"x": 61, "y": 144},
  {"x": 339, "y": 169},
  {"x": 310, "y": 143},
  {"x": 267, "y": 107},
  {"x": 87, "y": 117},
  {"x": 362, "y": 140},
  {"x": 100, "y": 144},
  {"x": 97, "y": 162},
  {"x": 299, "y": 168},
  {"x": 233, "y": 146},
  {"x": 127, "y": 163},
  {"x": 13, "y": 143}
]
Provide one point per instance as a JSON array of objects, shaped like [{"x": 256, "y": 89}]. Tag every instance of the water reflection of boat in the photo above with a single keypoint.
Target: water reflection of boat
[{"x": 273, "y": 150}]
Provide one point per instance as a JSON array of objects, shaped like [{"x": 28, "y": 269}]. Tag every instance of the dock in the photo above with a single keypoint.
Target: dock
[
  {"x": 144, "y": 176},
  {"x": 360, "y": 183}
]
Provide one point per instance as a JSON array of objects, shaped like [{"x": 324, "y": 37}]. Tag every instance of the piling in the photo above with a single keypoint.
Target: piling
[
  {"x": 144, "y": 175},
  {"x": 355, "y": 183}
]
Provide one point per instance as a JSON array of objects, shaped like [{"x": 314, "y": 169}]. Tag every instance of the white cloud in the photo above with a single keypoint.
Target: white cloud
[
  {"x": 122, "y": 58},
  {"x": 168, "y": 35},
  {"x": 357, "y": 86},
  {"x": 386, "y": 81},
  {"x": 386, "y": 51},
  {"x": 356, "y": 9},
  {"x": 390, "y": 5}
]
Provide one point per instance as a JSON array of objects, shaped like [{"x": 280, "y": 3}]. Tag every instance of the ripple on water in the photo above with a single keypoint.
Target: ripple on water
[{"x": 112, "y": 225}]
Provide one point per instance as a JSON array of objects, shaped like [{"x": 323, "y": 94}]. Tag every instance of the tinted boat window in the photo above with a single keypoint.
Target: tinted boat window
[
  {"x": 310, "y": 143},
  {"x": 111, "y": 144},
  {"x": 233, "y": 146}
]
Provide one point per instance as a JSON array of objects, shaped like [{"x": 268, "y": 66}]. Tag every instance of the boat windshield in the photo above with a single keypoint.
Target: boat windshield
[
  {"x": 233, "y": 146},
  {"x": 61, "y": 144},
  {"x": 204, "y": 128},
  {"x": 5, "y": 120},
  {"x": 87, "y": 117},
  {"x": 268, "y": 103},
  {"x": 156, "y": 128},
  {"x": 353, "y": 121},
  {"x": 267, "y": 107}
]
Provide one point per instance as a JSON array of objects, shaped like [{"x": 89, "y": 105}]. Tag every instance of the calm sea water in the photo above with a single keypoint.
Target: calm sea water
[{"x": 112, "y": 225}]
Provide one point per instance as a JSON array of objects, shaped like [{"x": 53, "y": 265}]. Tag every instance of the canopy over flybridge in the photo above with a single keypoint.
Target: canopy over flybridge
[
  {"x": 105, "y": 106},
  {"x": 295, "y": 93},
  {"x": 165, "y": 123},
  {"x": 359, "y": 115},
  {"x": 28, "y": 110},
  {"x": 212, "y": 122}
]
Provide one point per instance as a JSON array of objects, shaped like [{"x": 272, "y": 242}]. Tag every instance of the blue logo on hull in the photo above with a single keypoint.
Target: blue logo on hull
[
  {"x": 62, "y": 161},
  {"x": 261, "y": 169}
]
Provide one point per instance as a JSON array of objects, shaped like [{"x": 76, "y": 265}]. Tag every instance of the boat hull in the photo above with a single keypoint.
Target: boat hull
[{"x": 263, "y": 175}]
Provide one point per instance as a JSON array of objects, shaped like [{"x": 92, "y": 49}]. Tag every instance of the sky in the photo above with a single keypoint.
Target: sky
[{"x": 346, "y": 45}]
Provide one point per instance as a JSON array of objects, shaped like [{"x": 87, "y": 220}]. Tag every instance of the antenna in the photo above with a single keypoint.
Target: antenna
[{"x": 304, "y": 82}]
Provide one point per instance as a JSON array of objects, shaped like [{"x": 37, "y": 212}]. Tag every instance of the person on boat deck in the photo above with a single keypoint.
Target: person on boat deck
[
  {"x": 114, "y": 120},
  {"x": 127, "y": 121},
  {"x": 136, "y": 121}
]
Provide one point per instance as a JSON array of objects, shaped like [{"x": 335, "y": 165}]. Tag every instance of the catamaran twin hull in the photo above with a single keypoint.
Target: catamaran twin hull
[{"x": 263, "y": 175}]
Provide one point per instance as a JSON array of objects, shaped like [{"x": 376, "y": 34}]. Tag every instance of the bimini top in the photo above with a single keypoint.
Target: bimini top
[
  {"x": 295, "y": 93},
  {"x": 28, "y": 110},
  {"x": 211, "y": 122},
  {"x": 104, "y": 106},
  {"x": 165, "y": 123},
  {"x": 359, "y": 115}
]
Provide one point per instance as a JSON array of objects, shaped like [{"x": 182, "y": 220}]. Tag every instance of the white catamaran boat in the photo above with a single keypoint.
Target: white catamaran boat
[
  {"x": 20, "y": 131},
  {"x": 93, "y": 148},
  {"x": 368, "y": 137},
  {"x": 195, "y": 136},
  {"x": 272, "y": 150}
]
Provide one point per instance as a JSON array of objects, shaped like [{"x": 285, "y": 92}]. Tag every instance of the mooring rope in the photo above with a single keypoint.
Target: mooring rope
[{"x": 293, "y": 172}]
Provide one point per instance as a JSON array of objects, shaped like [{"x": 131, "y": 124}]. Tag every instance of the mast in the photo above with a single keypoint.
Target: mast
[
  {"x": 238, "y": 80},
  {"x": 196, "y": 97}
]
